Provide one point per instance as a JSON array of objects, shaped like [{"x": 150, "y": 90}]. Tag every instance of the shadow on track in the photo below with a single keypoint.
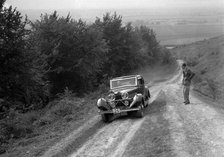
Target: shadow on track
[{"x": 80, "y": 140}]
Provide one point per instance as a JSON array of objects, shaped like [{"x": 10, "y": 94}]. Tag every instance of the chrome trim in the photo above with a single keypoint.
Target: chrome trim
[
  {"x": 121, "y": 111},
  {"x": 136, "y": 82}
]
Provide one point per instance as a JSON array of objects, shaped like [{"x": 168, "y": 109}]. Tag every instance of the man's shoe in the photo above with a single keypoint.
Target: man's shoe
[{"x": 187, "y": 103}]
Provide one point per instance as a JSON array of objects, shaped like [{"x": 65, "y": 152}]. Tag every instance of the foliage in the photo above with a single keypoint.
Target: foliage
[
  {"x": 82, "y": 56},
  {"x": 74, "y": 51},
  {"x": 125, "y": 48},
  {"x": 21, "y": 83},
  {"x": 149, "y": 41},
  {"x": 17, "y": 125},
  {"x": 67, "y": 94}
]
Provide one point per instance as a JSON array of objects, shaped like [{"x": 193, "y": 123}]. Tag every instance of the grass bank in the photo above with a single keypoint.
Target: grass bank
[{"x": 206, "y": 58}]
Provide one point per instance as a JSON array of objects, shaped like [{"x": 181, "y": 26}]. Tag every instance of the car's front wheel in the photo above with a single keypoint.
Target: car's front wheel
[
  {"x": 139, "y": 113},
  {"x": 107, "y": 117},
  {"x": 147, "y": 96}
]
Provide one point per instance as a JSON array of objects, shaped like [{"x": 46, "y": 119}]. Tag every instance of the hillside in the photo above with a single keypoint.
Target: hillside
[{"x": 207, "y": 59}]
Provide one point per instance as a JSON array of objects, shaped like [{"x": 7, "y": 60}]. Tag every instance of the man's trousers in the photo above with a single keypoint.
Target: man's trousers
[{"x": 186, "y": 91}]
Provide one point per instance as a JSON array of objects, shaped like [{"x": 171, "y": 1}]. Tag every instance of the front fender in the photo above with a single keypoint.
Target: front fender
[
  {"x": 147, "y": 93},
  {"x": 137, "y": 99},
  {"x": 102, "y": 104}
]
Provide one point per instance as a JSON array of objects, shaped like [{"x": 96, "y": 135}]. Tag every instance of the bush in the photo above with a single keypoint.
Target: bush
[
  {"x": 11, "y": 129},
  {"x": 192, "y": 62},
  {"x": 204, "y": 87},
  {"x": 66, "y": 95},
  {"x": 204, "y": 71},
  {"x": 62, "y": 109},
  {"x": 67, "y": 104},
  {"x": 17, "y": 125}
]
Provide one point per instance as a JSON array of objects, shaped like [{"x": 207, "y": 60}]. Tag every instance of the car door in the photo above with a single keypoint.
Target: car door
[{"x": 141, "y": 85}]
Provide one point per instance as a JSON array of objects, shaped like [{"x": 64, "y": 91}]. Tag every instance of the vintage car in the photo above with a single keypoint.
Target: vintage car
[{"x": 127, "y": 96}]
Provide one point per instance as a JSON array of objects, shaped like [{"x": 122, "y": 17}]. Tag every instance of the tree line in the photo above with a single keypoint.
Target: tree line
[{"x": 57, "y": 52}]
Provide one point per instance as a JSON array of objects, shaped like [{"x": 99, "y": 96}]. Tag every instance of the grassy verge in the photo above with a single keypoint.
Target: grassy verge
[
  {"x": 206, "y": 59},
  {"x": 32, "y": 133}
]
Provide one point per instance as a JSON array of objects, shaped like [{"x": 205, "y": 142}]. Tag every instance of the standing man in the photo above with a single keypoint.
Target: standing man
[{"x": 187, "y": 76}]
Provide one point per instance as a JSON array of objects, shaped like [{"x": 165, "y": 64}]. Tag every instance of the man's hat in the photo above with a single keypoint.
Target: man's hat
[{"x": 184, "y": 65}]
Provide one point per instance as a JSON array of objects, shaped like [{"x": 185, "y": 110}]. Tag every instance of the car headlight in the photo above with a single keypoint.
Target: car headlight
[
  {"x": 124, "y": 95},
  {"x": 111, "y": 96}
]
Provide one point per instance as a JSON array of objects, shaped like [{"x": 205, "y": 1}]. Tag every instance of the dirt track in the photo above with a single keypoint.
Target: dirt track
[{"x": 169, "y": 128}]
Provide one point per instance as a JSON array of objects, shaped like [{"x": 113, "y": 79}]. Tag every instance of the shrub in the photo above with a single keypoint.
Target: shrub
[
  {"x": 62, "y": 109},
  {"x": 192, "y": 62},
  {"x": 204, "y": 71},
  {"x": 17, "y": 125},
  {"x": 65, "y": 105},
  {"x": 67, "y": 94}
]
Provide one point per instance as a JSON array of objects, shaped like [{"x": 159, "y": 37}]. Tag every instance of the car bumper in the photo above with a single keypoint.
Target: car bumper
[{"x": 119, "y": 111}]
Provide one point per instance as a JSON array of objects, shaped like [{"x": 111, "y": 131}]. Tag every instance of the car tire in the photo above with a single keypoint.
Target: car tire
[
  {"x": 139, "y": 113},
  {"x": 149, "y": 95},
  {"x": 106, "y": 118},
  {"x": 147, "y": 99}
]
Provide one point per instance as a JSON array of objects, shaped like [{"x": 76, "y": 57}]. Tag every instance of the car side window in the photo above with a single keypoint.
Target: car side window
[{"x": 141, "y": 81}]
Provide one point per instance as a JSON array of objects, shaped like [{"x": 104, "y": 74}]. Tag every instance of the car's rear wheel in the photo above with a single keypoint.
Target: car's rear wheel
[{"x": 107, "y": 117}]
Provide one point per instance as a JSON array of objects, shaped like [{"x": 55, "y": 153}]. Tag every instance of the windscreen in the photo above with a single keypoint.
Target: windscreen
[{"x": 123, "y": 82}]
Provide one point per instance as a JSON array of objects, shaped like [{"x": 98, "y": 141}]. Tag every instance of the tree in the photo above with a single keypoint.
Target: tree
[
  {"x": 127, "y": 45},
  {"x": 122, "y": 44},
  {"x": 20, "y": 79},
  {"x": 149, "y": 38},
  {"x": 75, "y": 52},
  {"x": 12, "y": 45}
]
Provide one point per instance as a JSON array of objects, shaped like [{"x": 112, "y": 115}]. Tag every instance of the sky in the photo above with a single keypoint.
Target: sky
[{"x": 108, "y": 4}]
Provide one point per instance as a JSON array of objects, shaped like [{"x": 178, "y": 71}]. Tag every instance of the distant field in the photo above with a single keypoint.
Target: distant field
[
  {"x": 185, "y": 34},
  {"x": 173, "y": 27}
]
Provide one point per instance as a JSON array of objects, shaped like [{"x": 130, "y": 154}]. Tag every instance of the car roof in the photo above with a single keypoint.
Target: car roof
[{"x": 128, "y": 76}]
